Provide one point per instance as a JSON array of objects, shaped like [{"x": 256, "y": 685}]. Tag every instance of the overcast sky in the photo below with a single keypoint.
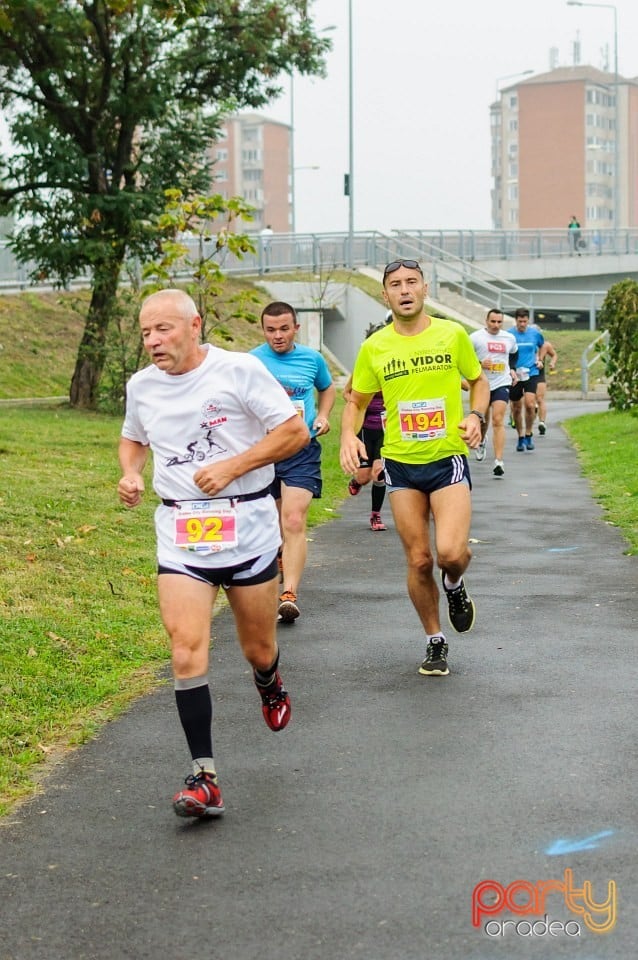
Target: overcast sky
[{"x": 425, "y": 74}]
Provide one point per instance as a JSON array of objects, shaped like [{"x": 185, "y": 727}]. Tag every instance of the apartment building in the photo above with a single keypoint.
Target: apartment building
[
  {"x": 562, "y": 144},
  {"x": 252, "y": 160}
]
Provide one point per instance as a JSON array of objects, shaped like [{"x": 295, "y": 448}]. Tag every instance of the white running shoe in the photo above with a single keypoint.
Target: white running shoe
[{"x": 480, "y": 451}]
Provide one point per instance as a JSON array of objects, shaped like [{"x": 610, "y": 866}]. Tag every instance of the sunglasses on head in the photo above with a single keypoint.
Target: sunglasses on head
[{"x": 410, "y": 264}]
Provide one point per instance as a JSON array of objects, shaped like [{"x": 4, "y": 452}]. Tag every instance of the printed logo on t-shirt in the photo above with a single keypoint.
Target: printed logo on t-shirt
[
  {"x": 418, "y": 363},
  {"x": 212, "y": 414},
  {"x": 205, "y": 447}
]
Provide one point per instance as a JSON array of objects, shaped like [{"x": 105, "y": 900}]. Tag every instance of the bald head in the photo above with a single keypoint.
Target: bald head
[
  {"x": 171, "y": 328},
  {"x": 171, "y": 299}
]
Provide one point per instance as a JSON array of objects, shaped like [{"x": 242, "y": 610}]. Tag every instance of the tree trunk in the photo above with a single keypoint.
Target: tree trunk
[{"x": 92, "y": 350}]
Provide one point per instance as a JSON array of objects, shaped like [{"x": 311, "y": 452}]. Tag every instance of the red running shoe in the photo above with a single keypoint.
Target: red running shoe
[
  {"x": 202, "y": 797},
  {"x": 376, "y": 523},
  {"x": 353, "y": 487},
  {"x": 275, "y": 705}
]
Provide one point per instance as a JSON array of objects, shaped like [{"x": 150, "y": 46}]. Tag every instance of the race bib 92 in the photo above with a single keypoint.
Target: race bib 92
[{"x": 205, "y": 526}]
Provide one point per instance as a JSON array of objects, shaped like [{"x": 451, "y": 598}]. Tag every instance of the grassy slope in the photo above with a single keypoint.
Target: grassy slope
[
  {"x": 40, "y": 334},
  {"x": 606, "y": 445}
]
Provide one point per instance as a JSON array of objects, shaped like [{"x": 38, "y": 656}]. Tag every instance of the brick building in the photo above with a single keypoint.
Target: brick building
[
  {"x": 554, "y": 151},
  {"x": 253, "y": 161}
]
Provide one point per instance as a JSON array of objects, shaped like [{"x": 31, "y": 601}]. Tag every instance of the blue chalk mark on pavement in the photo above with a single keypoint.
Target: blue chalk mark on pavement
[{"x": 561, "y": 847}]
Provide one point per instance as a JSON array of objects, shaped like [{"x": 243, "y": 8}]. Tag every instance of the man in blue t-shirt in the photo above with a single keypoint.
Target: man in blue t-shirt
[
  {"x": 523, "y": 393},
  {"x": 301, "y": 371}
]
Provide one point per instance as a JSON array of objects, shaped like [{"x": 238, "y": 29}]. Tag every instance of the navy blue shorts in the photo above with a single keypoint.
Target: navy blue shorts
[
  {"x": 256, "y": 570},
  {"x": 303, "y": 470},
  {"x": 501, "y": 393},
  {"x": 427, "y": 477}
]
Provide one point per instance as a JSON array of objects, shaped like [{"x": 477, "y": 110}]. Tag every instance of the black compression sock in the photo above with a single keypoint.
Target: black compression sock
[
  {"x": 195, "y": 709},
  {"x": 266, "y": 678}
]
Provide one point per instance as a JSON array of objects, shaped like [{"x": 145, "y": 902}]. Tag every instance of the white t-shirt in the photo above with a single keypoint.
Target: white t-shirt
[
  {"x": 220, "y": 409},
  {"x": 498, "y": 347}
]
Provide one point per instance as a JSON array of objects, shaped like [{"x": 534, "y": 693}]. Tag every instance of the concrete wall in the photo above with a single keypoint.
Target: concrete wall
[{"x": 573, "y": 271}]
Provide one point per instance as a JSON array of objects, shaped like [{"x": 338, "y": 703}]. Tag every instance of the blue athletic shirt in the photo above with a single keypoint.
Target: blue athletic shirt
[
  {"x": 301, "y": 371},
  {"x": 528, "y": 345}
]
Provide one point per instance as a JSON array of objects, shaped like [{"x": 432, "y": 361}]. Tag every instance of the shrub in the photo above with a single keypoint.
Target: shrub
[{"x": 619, "y": 316}]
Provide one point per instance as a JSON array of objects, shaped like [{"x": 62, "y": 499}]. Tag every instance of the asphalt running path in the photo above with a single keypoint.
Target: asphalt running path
[{"x": 363, "y": 830}]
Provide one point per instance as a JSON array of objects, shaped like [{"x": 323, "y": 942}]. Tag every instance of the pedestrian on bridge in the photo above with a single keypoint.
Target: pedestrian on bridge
[{"x": 573, "y": 235}]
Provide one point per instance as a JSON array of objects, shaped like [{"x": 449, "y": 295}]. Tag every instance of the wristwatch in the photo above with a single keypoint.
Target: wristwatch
[{"x": 478, "y": 414}]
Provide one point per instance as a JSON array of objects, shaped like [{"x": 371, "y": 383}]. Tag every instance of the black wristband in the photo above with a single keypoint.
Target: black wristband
[{"x": 479, "y": 415}]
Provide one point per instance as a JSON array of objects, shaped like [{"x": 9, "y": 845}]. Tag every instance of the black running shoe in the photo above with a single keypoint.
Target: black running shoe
[
  {"x": 460, "y": 607},
  {"x": 435, "y": 663}
]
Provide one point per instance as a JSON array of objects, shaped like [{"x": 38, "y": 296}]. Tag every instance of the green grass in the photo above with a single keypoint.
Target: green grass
[
  {"x": 570, "y": 345},
  {"x": 606, "y": 445},
  {"x": 80, "y": 635}
]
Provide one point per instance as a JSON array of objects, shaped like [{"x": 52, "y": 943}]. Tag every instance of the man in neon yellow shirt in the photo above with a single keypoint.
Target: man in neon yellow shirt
[{"x": 418, "y": 362}]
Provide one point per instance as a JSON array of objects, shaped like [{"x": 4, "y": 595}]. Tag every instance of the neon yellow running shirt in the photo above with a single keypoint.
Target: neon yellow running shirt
[{"x": 420, "y": 378}]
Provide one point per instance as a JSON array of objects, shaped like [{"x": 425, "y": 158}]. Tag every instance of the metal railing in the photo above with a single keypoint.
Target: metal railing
[
  {"x": 452, "y": 258},
  {"x": 591, "y": 354},
  {"x": 312, "y": 251},
  {"x": 528, "y": 244}
]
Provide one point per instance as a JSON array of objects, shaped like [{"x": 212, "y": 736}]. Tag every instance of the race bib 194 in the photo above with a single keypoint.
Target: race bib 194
[{"x": 422, "y": 419}]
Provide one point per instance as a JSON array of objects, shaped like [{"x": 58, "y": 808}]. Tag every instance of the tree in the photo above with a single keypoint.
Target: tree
[
  {"x": 619, "y": 317},
  {"x": 199, "y": 260},
  {"x": 110, "y": 103}
]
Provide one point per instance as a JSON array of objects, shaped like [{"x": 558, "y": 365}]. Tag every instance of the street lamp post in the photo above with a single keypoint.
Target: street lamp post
[
  {"x": 293, "y": 226},
  {"x": 611, "y": 6},
  {"x": 350, "y": 143}
]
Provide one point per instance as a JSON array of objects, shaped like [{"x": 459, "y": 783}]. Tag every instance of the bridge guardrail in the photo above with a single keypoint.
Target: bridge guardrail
[
  {"x": 590, "y": 355},
  {"x": 451, "y": 254}
]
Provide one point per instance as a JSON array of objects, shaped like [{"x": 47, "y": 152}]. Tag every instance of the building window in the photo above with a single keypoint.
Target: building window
[{"x": 222, "y": 154}]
